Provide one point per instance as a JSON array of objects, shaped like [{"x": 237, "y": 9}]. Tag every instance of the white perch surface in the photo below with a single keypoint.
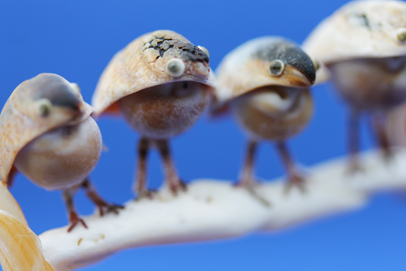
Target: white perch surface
[{"x": 213, "y": 209}]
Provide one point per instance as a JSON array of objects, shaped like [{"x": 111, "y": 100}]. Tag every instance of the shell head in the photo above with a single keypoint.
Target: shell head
[
  {"x": 263, "y": 62},
  {"x": 153, "y": 59},
  {"x": 360, "y": 29}
]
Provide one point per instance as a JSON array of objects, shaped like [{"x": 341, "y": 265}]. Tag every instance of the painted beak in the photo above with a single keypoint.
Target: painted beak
[{"x": 299, "y": 78}]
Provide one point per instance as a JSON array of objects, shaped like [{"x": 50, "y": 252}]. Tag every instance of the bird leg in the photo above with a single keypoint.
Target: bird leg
[
  {"x": 141, "y": 174},
  {"x": 353, "y": 139},
  {"x": 378, "y": 124},
  {"x": 97, "y": 200},
  {"x": 294, "y": 178},
  {"x": 247, "y": 180},
  {"x": 73, "y": 215},
  {"x": 171, "y": 176}
]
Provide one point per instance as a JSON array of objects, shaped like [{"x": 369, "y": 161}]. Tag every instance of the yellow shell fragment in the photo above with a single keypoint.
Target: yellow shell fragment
[
  {"x": 9, "y": 204},
  {"x": 20, "y": 123},
  {"x": 360, "y": 29},
  {"x": 20, "y": 248},
  {"x": 142, "y": 64}
]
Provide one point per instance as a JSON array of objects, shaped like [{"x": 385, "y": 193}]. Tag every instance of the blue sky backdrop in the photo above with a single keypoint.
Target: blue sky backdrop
[{"x": 76, "y": 39}]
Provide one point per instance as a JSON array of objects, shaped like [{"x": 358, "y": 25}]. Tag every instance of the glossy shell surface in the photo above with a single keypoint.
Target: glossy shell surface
[
  {"x": 360, "y": 29},
  {"x": 142, "y": 65},
  {"x": 20, "y": 122}
]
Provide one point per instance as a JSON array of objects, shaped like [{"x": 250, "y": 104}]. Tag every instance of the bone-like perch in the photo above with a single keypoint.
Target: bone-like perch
[{"x": 212, "y": 209}]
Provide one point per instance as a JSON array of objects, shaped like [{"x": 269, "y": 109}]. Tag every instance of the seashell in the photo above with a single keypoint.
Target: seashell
[
  {"x": 21, "y": 119},
  {"x": 47, "y": 134},
  {"x": 248, "y": 67},
  {"x": 360, "y": 29},
  {"x": 363, "y": 45},
  {"x": 161, "y": 83},
  {"x": 142, "y": 64},
  {"x": 265, "y": 81}
]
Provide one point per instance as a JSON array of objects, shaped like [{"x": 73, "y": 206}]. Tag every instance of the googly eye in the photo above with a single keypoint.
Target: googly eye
[
  {"x": 204, "y": 50},
  {"x": 75, "y": 88},
  {"x": 401, "y": 34},
  {"x": 44, "y": 107},
  {"x": 175, "y": 67},
  {"x": 276, "y": 68}
]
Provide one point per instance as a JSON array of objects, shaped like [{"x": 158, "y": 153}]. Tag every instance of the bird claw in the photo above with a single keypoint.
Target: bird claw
[
  {"x": 250, "y": 187},
  {"x": 74, "y": 220},
  {"x": 175, "y": 187},
  {"x": 295, "y": 181},
  {"x": 110, "y": 208},
  {"x": 354, "y": 168},
  {"x": 146, "y": 194}
]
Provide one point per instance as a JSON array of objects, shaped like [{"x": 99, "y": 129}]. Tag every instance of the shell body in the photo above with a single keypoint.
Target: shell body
[
  {"x": 360, "y": 29},
  {"x": 167, "y": 110},
  {"x": 143, "y": 65},
  {"x": 65, "y": 155},
  {"x": 24, "y": 121},
  {"x": 371, "y": 83},
  {"x": 273, "y": 113}
]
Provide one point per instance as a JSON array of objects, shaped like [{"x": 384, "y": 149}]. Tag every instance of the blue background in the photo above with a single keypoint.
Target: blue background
[{"x": 77, "y": 38}]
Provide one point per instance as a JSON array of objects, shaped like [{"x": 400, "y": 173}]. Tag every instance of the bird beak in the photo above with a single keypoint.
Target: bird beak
[{"x": 299, "y": 77}]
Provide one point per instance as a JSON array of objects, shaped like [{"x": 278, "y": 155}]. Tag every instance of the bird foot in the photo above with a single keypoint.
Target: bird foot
[
  {"x": 109, "y": 208},
  {"x": 177, "y": 186},
  {"x": 74, "y": 220},
  {"x": 146, "y": 194},
  {"x": 355, "y": 167},
  {"x": 295, "y": 181},
  {"x": 250, "y": 186}
]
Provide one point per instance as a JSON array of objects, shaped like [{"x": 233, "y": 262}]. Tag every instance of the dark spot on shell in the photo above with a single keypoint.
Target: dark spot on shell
[
  {"x": 186, "y": 50},
  {"x": 362, "y": 17}
]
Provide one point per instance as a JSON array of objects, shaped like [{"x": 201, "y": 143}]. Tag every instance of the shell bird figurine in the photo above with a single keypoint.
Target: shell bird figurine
[
  {"x": 364, "y": 46},
  {"x": 47, "y": 134},
  {"x": 161, "y": 84},
  {"x": 265, "y": 82}
]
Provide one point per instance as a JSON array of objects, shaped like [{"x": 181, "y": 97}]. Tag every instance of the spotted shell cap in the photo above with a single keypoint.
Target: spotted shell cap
[
  {"x": 142, "y": 64},
  {"x": 247, "y": 67},
  {"x": 360, "y": 29},
  {"x": 20, "y": 122}
]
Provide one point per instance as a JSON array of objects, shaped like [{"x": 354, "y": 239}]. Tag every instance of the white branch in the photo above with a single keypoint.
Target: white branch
[{"x": 214, "y": 210}]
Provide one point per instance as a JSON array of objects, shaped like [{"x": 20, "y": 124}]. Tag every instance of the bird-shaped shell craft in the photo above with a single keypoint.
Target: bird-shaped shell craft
[
  {"x": 364, "y": 46},
  {"x": 161, "y": 83},
  {"x": 156, "y": 58},
  {"x": 265, "y": 82},
  {"x": 47, "y": 134}
]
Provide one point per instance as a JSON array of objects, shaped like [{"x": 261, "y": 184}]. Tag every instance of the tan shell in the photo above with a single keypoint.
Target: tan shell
[
  {"x": 20, "y": 123},
  {"x": 240, "y": 71},
  {"x": 360, "y": 29},
  {"x": 142, "y": 65}
]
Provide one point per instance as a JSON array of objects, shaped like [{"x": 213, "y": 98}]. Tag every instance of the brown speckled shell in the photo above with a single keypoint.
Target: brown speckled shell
[
  {"x": 141, "y": 65},
  {"x": 360, "y": 29},
  {"x": 20, "y": 124}
]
